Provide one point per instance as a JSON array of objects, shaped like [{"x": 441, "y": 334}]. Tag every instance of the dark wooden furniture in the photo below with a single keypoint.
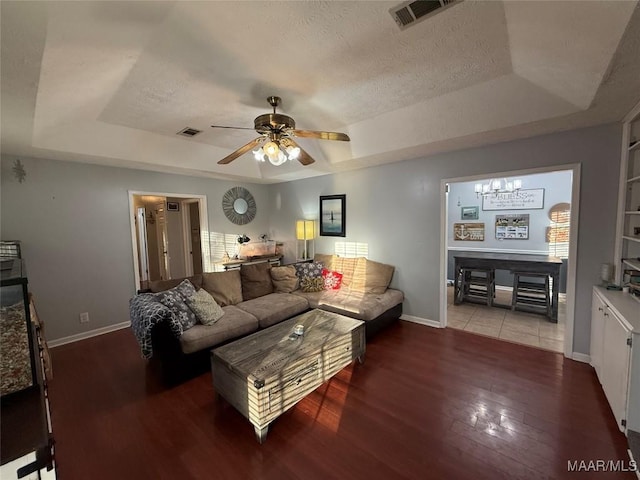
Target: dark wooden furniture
[
  {"x": 514, "y": 262},
  {"x": 274, "y": 261},
  {"x": 530, "y": 294},
  {"x": 477, "y": 285},
  {"x": 26, "y": 425},
  {"x": 268, "y": 372}
]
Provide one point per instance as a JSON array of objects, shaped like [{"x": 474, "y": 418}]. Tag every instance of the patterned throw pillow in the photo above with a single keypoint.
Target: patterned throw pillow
[
  {"x": 205, "y": 307},
  {"x": 175, "y": 299},
  {"x": 332, "y": 280},
  {"x": 312, "y": 284},
  {"x": 311, "y": 270}
]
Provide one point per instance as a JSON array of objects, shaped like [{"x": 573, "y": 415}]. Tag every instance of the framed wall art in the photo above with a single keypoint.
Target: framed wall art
[
  {"x": 469, "y": 213},
  {"x": 512, "y": 227},
  {"x": 333, "y": 215},
  {"x": 468, "y": 232}
]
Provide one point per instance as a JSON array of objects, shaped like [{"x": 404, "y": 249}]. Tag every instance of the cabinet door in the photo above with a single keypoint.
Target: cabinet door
[
  {"x": 597, "y": 333},
  {"x": 615, "y": 365}
]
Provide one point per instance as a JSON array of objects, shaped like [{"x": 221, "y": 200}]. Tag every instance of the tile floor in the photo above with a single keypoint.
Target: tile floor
[{"x": 513, "y": 326}]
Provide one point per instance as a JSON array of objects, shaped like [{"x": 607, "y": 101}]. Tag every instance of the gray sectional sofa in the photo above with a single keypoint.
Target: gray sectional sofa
[{"x": 256, "y": 297}]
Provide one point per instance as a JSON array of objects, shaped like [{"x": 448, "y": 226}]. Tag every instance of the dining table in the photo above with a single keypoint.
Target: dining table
[{"x": 514, "y": 262}]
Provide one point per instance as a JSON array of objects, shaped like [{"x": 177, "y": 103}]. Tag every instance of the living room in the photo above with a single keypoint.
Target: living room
[{"x": 71, "y": 208}]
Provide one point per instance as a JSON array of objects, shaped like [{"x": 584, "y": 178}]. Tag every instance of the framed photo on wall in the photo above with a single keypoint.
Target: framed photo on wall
[
  {"x": 333, "y": 215},
  {"x": 512, "y": 227},
  {"x": 173, "y": 207},
  {"x": 469, "y": 213}
]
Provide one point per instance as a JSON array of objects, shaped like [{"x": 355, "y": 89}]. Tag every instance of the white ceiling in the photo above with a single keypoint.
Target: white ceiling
[{"x": 112, "y": 82}]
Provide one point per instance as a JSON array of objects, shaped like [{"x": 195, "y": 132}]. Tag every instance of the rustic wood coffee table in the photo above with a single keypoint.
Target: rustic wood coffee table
[{"x": 266, "y": 373}]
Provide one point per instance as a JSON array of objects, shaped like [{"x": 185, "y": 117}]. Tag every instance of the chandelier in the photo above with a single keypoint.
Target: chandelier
[
  {"x": 496, "y": 186},
  {"x": 277, "y": 150}
]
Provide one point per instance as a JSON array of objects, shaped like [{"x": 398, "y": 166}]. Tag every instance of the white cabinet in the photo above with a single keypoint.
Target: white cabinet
[
  {"x": 615, "y": 353},
  {"x": 615, "y": 365},
  {"x": 598, "y": 310}
]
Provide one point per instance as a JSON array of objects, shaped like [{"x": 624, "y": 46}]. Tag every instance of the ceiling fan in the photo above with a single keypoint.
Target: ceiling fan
[{"x": 276, "y": 143}]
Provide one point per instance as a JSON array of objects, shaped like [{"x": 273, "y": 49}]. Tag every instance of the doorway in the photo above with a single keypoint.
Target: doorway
[
  {"x": 549, "y": 229},
  {"x": 169, "y": 236}
]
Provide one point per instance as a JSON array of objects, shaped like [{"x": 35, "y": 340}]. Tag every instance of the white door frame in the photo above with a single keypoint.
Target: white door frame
[
  {"x": 573, "y": 241},
  {"x": 143, "y": 249},
  {"x": 186, "y": 233},
  {"x": 207, "y": 265}
]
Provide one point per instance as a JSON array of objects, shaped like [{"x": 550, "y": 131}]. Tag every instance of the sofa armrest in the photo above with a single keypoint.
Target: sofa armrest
[{"x": 146, "y": 312}]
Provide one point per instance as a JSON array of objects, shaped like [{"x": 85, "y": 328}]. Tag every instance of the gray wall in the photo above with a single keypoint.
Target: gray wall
[
  {"x": 73, "y": 220},
  {"x": 396, "y": 209}
]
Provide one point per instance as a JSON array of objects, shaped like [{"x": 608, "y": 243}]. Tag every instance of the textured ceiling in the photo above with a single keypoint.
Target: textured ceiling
[{"x": 112, "y": 82}]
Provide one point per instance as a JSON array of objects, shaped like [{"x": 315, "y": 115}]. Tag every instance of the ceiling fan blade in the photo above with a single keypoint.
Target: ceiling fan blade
[
  {"x": 233, "y": 128},
  {"x": 241, "y": 151},
  {"x": 304, "y": 158},
  {"x": 321, "y": 135}
]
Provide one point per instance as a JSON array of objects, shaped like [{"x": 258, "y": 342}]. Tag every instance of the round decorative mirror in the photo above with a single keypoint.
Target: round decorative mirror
[{"x": 239, "y": 205}]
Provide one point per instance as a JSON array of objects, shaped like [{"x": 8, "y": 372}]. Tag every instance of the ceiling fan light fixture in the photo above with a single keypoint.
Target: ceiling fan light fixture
[
  {"x": 293, "y": 152},
  {"x": 276, "y": 130},
  {"x": 258, "y": 154},
  {"x": 271, "y": 149}
]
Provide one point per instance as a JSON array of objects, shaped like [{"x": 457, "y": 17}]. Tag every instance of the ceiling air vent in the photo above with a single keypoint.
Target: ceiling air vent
[
  {"x": 189, "y": 132},
  {"x": 409, "y": 13}
]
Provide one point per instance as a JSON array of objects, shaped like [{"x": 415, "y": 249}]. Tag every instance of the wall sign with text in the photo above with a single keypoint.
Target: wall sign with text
[
  {"x": 468, "y": 232},
  {"x": 521, "y": 200}
]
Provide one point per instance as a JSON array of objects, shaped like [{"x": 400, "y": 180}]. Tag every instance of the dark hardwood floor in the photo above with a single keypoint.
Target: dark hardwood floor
[{"x": 426, "y": 404}]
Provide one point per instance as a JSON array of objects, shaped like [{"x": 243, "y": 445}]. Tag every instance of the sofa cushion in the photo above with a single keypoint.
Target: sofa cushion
[
  {"x": 313, "y": 298},
  {"x": 311, "y": 270},
  {"x": 275, "y": 307},
  {"x": 284, "y": 279},
  {"x": 156, "y": 286},
  {"x": 371, "y": 277},
  {"x": 332, "y": 280},
  {"x": 363, "y": 306},
  {"x": 312, "y": 284},
  {"x": 224, "y": 287},
  {"x": 347, "y": 267},
  {"x": 324, "y": 259},
  {"x": 175, "y": 300},
  {"x": 205, "y": 307},
  {"x": 233, "y": 324},
  {"x": 256, "y": 280}
]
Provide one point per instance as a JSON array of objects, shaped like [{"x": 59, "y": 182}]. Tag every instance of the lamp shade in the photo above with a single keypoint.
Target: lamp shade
[{"x": 305, "y": 229}]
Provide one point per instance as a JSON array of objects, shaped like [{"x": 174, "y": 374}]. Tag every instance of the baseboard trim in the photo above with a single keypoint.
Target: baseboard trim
[
  {"x": 84, "y": 335},
  {"x": 581, "y": 357},
  {"x": 421, "y": 321}
]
